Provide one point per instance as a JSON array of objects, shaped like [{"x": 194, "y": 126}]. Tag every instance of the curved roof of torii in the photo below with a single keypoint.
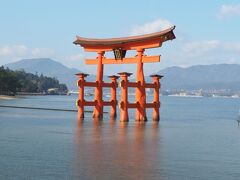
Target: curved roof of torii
[{"x": 126, "y": 42}]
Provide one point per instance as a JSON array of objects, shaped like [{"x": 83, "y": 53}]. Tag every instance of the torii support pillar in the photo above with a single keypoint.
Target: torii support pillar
[
  {"x": 80, "y": 101},
  {"x": 124, "y": 99},
  {"x": 156, "y": 101},
  {"x": 113, "y": 113}
]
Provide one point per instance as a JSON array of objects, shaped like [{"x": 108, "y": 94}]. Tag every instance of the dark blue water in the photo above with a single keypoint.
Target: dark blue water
[{"x": 197, "y": 138}]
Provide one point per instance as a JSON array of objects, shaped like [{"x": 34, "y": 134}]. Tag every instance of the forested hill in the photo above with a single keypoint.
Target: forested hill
[
  {"x": 47, "y": 67},
  {"x": 20, "y": 81}
]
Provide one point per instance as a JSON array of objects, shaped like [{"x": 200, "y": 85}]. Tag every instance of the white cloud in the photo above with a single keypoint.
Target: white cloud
[
  {"x": 14, "y": 49},
  {"x": 150, "y": 27},
  {"x": 229, "y": 10},
  {"x": 202, "y": 52},
  {"x": 74, "y": 60},
  {"x": 233, "y": 47},
  {"x": 206, "y": 47},
  {"x": 75, "y": 57},
  {"x": 41, "y": 52},
  {"x": 200, "y": 47},
  {"x": 10, "y": 53}
]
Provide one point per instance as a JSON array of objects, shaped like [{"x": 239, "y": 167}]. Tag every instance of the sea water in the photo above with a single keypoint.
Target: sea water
[{"x": 196, "y": 138}]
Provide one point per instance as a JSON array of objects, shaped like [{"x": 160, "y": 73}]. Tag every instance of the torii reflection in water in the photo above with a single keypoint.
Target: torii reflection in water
[{"x": 113, "y": 150}]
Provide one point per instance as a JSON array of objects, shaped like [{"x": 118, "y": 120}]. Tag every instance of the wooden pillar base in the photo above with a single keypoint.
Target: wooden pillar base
[
  {"x": 124, "y": 120},
  {"x": 156, "y": 118},
  {"x": 80, "y": 116},
  {"x": 142, "y": 118},
  {"x": 124, "y": 111},
  {"x": 97, "y": 115},
  {"x": 113, "y": 116}
]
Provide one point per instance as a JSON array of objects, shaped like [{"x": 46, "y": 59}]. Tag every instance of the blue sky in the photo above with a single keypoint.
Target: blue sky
[{"x": 207, "y": 31}]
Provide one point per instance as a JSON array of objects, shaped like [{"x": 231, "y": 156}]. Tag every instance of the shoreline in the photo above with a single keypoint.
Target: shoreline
[
  {"x": 21, "y": 95},
  {"x": 6, "y": 97}
]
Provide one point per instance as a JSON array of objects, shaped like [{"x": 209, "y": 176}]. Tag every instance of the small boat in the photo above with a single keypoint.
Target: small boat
[
  {"x": 238, "y": 118},
  {"x": 89, "y": 94}
]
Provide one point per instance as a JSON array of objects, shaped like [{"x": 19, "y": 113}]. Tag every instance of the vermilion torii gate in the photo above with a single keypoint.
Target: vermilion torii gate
[{"x": 120, "y": 46}]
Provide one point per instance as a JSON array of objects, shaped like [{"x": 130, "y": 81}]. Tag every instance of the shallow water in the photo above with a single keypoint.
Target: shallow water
[{"x": 197, "y": 138}]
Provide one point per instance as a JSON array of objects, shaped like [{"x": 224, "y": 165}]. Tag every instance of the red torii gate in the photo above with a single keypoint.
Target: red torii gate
[{"x": 120, "y": 46}]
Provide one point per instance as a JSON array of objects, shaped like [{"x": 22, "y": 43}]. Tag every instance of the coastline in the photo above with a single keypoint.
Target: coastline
[
  {"x": 22, "y": 94},
  {"x": 5, "y": 97}
]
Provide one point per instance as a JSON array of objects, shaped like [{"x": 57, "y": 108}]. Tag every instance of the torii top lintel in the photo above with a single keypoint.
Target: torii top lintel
[{"x": 146, "y": 41}]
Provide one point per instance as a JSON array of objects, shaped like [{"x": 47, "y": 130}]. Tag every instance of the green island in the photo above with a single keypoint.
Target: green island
[{"x": 20, "y": 82}]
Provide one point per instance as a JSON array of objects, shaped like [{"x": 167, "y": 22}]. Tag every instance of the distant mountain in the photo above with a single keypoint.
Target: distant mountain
[
  {"x": 207, "y": 77},
  {"x": 47, "y": 67}
]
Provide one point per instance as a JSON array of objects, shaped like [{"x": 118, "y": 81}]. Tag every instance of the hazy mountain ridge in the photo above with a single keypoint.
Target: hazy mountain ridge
[{"x": 216, "y": 76}]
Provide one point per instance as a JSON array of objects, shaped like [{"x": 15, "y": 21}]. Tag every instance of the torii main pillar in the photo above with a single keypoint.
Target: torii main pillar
[
  {"x": 98, "y": 109},
  {"x": 140, "y": 91}
]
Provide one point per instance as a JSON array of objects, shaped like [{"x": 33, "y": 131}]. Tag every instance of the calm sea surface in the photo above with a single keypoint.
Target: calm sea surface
[{"x": 197, "y": 138}]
